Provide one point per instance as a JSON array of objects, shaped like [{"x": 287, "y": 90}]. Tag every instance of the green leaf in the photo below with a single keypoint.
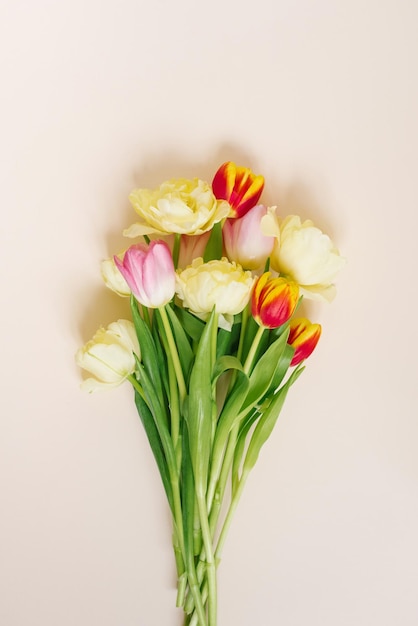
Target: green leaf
[
  {"x": 228, "y": 339},
  {"x": 267, "y": 422},
  {"x": 191, "y": 324},
  {"x": 214, "y": 246},
  {"x": 250, "y": 333},
  {"x": 225, "y": 363},
  {"x": 149, "y": 354},
  {"x": 240, "y": 447},
  {"x": 162, "y": 361},
  {"x": 280, "y": 372},
  {"x": 263, "y": 373},
  {"x": 229, "y": 416},
  {"x": 187, "y": 497},
  {"x": 200, "y": 407},
  {"x": 155, "y": 443},
  {"x": 155, "y": 405},
  {"x": 184, "y": 349}
]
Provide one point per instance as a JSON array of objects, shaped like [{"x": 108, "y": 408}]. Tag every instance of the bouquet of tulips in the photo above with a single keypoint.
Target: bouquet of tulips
[{"x": 212, "y": 349}]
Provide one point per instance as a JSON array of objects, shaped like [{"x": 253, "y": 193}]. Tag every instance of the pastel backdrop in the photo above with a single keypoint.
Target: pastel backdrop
[{"x": 101, "y": 97}]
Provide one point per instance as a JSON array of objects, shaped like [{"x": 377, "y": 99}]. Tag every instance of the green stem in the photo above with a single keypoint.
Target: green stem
[
  {"x": 229, "y": 516},
  {"x": 221, "y": 541},
  {"x": 176, "y": 249},
  {"x": 210, "y": 559},
  {"x": 232, "y": 440},
  {"x": 136, "y": 385},
  {"x": 174, "y": 353},
  {"x": 253, "y": 350},
  {"x": 146, "y": 315},
  {"x": 174, "y": 409},
  {"x": 216, "y": 494}
]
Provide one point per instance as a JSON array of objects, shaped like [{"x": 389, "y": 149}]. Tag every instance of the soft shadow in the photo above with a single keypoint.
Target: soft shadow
[{"x": 297, "y": 198}]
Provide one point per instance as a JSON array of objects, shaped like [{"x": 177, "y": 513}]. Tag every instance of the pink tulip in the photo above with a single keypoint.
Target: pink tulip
[
  {"x": 244, "y": 241},
  {"x": 149, "y": 272}
]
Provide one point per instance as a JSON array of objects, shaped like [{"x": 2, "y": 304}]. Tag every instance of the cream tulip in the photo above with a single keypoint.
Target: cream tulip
[
  {"x": 109, "y": 356},
  {"x": 220, "y": 284},
  {"x": 187, "y": 207},
  {"x": 112, "y": 277},
  {"x": 306, "y": 255}
]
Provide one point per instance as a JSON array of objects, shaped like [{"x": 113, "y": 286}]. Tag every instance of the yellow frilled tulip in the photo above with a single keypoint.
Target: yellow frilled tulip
[
  {"x": 186, "y": 207},
  {"x": 220, "y": 284}
]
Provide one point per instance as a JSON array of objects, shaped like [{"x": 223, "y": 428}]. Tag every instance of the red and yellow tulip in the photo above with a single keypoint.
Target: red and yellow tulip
[
  {"x": 239, "y": 186},
  {"x": 303, "y": 337},
  {"x": 273, "y": 300}
]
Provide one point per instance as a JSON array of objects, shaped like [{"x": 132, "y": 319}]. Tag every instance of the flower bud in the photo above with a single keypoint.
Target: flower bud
[
  {"x": 273, "y": 300},
  {"x": 149, "y": 272},
  {"x": 244, "y": 241},
  {"x": 109, "y": 356},
  {"x": 303, "y": 337},
  {"x": 239, "y": 186}
]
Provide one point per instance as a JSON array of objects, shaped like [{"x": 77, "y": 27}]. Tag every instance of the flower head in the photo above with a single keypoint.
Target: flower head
[
  {"x": 187, "y": 207},
  {"x": 220, "y": 284},
  {"x": 149, "y": 272},
  {"x": 109, "y": 356},
  {"x": 239, "y": 186},
  {"x": 245, "y": 242},
  {"x": 303, "y": 337},
  {"x": 306, "y": 255},
  {"x": 273, "y": 300},
  {"x": 113, "y": 278}
]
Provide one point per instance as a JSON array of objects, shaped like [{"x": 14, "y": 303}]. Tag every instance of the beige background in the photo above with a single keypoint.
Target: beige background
[{"x": 98, "y": 97}]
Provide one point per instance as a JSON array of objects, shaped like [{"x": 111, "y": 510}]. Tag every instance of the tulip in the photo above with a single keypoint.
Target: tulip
[
  {"x": 186, "y": 207},
  {"x": 239, "y": 186},
  {"x": 191, "y": 247},
  {"x": 113, "y": 278},
  {"x": 149, "y": 272},
  {"x": 244, "y": 241},
  {"x": 303, "y": 337},
  {"x": 220, "y": 284},
  {"x": 273, "y": 300},
  {"x": 109, "y": 356},
  {"x": 306, "y": 255}
]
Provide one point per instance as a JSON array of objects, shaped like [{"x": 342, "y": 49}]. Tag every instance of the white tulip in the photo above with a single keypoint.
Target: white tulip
[
  {"x": 113, "y": 278},
  {"x": 306, "y": 255},
  {"x": 109, "y": 356}
]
